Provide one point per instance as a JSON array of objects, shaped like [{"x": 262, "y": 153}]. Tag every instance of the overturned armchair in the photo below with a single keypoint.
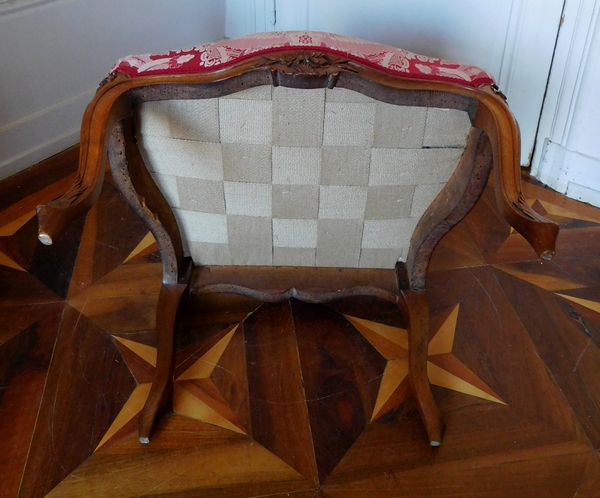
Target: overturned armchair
[{"x": 298, "y": 164}]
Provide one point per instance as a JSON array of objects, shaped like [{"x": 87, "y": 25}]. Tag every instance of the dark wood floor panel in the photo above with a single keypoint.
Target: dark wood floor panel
[
  {"x": 14, "y": 319},
  {"x": 18, "y": 243},
  {"x": 292, "y": 399},
  {"x": 123, "y": 300},
  {"x": 75, "y": 411},
  {"x": 19, "y": 288},
  {"x": 369, "y": 308},
  {"x": 457, "y": 249},
  {"x": 53, "y": 265},
  {"x": 570, "y": 354},
  {"x": 23, "y": 208},
  {"x": 24, "y": 367},
  {"x": 30, "y": 182},
  {"x": 111, "y": 233},
  {"x": 203, "y": 316},
  {"x": 555, "y": 473},
  {"x": 280, "y": 420},
  {"x": 186, "y": 458},
  {"x": 231, "y": 379},
  {"x": 590, "y": 483},
  {"x": 494, "y": 343},
  {"x": 341, "y": 374}
]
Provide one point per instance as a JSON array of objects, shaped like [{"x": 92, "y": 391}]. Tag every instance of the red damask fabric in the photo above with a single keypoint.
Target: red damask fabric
[{"x": 218, "y": 55}]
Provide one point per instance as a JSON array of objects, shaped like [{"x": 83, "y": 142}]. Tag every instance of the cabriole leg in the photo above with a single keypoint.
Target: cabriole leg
[
  {"x": 413, "y": 304},
  {"x": 160, "y": 400}
]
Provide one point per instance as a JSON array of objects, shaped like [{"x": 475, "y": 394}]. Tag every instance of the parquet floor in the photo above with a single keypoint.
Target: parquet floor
[{"x": 293, "y": 399}]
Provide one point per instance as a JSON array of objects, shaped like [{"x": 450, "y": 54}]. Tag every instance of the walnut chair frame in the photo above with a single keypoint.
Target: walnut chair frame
[{"x": 108, "y": 131}]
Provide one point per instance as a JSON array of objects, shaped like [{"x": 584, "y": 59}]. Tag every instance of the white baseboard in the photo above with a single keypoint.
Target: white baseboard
[
  {"x": 570, "y": 173},
  {"x": 40, "y": 135},
  {"x": 583, "y": 194}
]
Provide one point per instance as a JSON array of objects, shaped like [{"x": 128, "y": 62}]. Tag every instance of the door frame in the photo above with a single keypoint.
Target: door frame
[
  {"x": 524, "y": 63},
  {"x": 572, "y": 52}
]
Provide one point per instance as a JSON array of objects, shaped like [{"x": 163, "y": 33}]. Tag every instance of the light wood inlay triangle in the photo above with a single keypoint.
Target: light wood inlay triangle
[
  {"x": 203, "y": 368},
  {"x": 14, "y": 226},
  {"x": 188, "y": 404},
  {"x": 443, "y": 378},
  {"x": 443, "y": 341},
  {"x": 567, "y": 213},
  {"x": 387, "y": 348},
  {"x": 545, "y": 282},
  {"x": 592, "y": 305},
  {"x": 148, "y": 353},
  {"x": 132, "y": 407},
  {"x": 144, "y": 244},
  {"x": 395, "y": 373},
  {"x": 394, "y": 334},
  {"x": 6, "y": 261}
]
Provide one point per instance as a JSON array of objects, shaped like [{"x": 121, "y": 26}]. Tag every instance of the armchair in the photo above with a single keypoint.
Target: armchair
[{"x": 298, "y": 164}]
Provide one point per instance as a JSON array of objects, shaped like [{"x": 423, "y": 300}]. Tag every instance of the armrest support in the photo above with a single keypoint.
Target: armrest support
[
  {"x": 109, "y": 106},
  {"x": 495, "y": 118}
]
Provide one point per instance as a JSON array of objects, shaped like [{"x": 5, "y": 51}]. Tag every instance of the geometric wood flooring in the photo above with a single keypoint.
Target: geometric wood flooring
[{"x": 292, "y": 399}]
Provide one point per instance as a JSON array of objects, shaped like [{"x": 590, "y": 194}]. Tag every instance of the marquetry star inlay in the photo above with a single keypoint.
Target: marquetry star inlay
[
  {"x": 443, "y": 368},
  {"x": 196, "y": 395}
]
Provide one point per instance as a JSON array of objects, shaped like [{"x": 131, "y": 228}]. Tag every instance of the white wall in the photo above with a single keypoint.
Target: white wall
[
  {"x": 53, "y": 54},
  {"x": 568, "y": 151},
  {"x": 513, "y": 39}
]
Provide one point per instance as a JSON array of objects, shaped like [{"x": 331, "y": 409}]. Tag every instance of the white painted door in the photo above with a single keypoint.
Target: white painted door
[
  {"x": 513, "y": 39},
  {"x": 567, "y": 154}
]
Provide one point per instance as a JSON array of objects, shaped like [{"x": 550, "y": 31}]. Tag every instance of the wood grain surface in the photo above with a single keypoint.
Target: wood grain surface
[{"x": 294, "y": 399}]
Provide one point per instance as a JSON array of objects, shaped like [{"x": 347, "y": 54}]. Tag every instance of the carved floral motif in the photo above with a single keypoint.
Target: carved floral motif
[{"x": 308, "y": 63}]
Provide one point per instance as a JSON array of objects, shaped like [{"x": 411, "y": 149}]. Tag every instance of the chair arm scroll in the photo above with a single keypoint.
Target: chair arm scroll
[
  {"x": 495, "y": 118},
  {"x": 109, "y": 106}
]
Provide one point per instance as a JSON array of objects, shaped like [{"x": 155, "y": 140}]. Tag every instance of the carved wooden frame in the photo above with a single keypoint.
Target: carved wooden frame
[{"x": 108, "y": 131}]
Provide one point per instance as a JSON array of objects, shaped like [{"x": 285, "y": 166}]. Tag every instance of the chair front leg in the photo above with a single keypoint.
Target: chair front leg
[
  {"x": 413, "y": 305},
  {"x": 160, "y": 399},
  {"x": 137, "y": 186}
]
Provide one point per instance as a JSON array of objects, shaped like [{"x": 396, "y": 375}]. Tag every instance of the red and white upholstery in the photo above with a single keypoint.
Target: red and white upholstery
[{"x": 220, "y": 54}]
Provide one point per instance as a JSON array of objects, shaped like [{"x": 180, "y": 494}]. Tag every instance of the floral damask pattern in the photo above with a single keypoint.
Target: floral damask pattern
[{"x": 224, "y": 53}]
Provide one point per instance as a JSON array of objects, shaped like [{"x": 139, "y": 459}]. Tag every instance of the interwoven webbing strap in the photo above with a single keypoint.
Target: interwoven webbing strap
[{"x": 281, "y": 176}]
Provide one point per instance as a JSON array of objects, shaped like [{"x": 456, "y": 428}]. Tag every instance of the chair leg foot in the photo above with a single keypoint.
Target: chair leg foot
[
  {"x": 159, "y": 403},
  {"x": 413, "y": 304},
  {"x": 160, "y": 399},
  {"x": 431, "y": 416}
]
